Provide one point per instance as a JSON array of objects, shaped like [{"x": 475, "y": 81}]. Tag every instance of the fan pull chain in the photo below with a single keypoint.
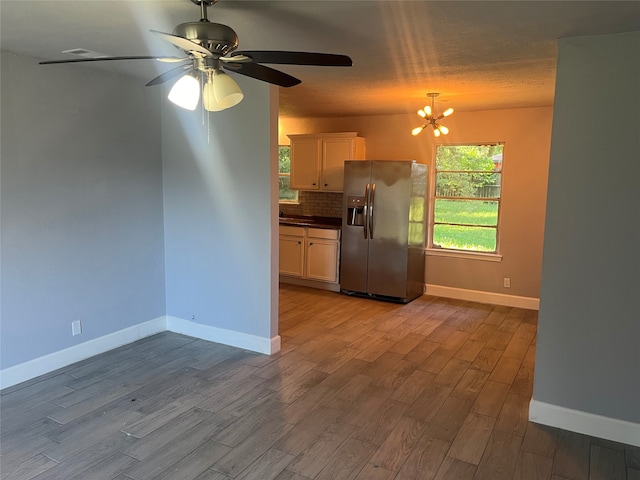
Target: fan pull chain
[{"x": 208, "y": 114}]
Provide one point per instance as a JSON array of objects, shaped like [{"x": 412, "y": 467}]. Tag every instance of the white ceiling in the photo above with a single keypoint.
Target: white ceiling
[{"x": 477, "y": 54}]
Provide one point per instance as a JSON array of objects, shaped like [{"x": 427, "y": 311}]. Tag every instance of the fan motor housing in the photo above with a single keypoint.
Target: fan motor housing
[{"x": 215, "y": 37}]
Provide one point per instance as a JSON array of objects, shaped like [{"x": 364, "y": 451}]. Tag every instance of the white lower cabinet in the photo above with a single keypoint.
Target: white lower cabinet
[
  {"x": 291, "y": 256},
  {"x": 321, "y": 259},
  {"x": 309, "y": 253}
]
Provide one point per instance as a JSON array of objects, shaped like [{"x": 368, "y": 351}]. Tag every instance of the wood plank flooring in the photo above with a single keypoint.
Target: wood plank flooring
[{"x": 365, "y": 390}]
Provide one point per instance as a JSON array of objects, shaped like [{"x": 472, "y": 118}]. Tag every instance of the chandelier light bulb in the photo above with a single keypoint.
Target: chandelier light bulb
[
  {"x": 416, "y": 131},
  {"x": 436, "y": 132},
  {"x": 427, "y": 110},
  {"x": 443, "y": 129},
  {"x": 447, "y": 112},
  {"x": 422, "y": 113},
  {"x": 186, "y": 92}
]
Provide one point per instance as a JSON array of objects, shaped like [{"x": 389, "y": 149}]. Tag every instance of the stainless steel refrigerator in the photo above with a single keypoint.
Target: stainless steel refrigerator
[{"x": 383, "y": 229}]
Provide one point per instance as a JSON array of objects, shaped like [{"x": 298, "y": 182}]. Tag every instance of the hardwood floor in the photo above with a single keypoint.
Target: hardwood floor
[{"x": 436, "y": 389}]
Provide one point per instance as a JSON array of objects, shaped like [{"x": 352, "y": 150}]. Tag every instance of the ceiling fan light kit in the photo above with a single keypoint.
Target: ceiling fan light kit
[
  {"x": 210, "y": 48},
  {"x": 428, "y": 114}
]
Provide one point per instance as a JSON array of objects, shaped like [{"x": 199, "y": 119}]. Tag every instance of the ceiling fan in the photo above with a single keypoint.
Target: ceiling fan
[{"x": 209, "y": 49}]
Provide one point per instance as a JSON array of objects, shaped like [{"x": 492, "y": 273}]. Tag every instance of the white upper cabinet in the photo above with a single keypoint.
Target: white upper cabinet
[
  {"x": 305, "y": 170},
  {"x": 317, "y": 160}
]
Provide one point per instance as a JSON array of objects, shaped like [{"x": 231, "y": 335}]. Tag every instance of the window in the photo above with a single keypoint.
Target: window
[
  {"x": 284, "y": 180},
  {"x": 466, "y": 206}
]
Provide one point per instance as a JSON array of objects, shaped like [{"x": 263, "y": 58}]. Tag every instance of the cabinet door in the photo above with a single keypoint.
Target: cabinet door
[
  {"x": 291, "y": 256},
  {"x": 305, "y": 163},
  {"x": 334, "y": 152},
  {"x": 322, "y": 260}
]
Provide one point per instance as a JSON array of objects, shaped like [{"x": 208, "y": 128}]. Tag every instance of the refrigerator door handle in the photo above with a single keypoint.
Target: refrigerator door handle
[
  {"x": 365, "y": 211},
  {"x": 373, "y": 196}
]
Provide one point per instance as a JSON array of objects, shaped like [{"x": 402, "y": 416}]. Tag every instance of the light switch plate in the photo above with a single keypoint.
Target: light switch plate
[{"x": 76, "y": 328}]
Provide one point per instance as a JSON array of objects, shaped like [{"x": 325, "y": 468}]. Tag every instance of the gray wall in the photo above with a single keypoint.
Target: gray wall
[
  {"x": 85, "y": 210},
  {"x": 220, "y": 213},
  {"x": 588, "y": 355},
  {"x": 81, "y": 206}
]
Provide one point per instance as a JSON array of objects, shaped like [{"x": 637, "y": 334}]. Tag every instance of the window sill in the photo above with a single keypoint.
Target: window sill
[
  {"x": 443, "y": 252},
  {"x": 288, "y": 202}
]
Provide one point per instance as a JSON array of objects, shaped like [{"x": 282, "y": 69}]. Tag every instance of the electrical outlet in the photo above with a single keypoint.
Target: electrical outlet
[
  {"x": 76, "y": 328},
  {"x": 507, "y": 282}
]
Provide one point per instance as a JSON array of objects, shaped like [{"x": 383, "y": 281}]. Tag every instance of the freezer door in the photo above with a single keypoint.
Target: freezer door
[
  {"x": 389, "y": 232},
  {"x": 355, "y": 247}
]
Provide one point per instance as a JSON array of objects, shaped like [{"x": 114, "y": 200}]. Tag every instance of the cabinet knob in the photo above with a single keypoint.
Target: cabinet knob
[
  {"x": 313, "y": 184},
  {"x": 326, "y": 184}
]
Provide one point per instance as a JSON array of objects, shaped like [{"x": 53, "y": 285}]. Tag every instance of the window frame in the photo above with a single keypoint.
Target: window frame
[
  {"x": 431, "y": 249},
  {"x": 295, "y": 201}
]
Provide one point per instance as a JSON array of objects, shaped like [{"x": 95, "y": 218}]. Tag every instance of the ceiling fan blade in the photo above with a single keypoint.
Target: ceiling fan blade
[
  {"x": 266, "y": 74},
  {"x": 168, "y": 75},
  {"x": 183, "y": 43},
  {"x": 106, "y": 59},
  {"x": 297, "y": 58},
  {"x": 173, "y": 59},
  {"x": 236, "y": 59}
]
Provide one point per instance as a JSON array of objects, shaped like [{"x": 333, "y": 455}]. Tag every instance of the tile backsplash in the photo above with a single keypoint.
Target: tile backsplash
[{"x": 317, "y": 204}]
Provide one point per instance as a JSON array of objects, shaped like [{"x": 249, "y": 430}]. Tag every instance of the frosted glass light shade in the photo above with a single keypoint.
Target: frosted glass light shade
[
  {"x": 443, "y": 129},
  {"x": 186, "y": 92},
  {"x": 416, "y": 131},
  {"x": 226, "y": 90},
  {"x": 422, "y": 113},
  {"x": 209, "y": 98},
  {"x": 436, "y": 132},
  {"x": 447, "y": 112},
  {"x": 427, "y": 110}
]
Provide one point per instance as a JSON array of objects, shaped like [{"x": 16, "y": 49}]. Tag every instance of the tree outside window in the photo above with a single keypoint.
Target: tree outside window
[
  {"x": 286, "y": 195},
  {"x": 466, "y": 206}
]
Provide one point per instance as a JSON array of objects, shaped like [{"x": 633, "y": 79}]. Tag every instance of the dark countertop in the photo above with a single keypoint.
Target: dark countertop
[{"x": 309, "y": 221}]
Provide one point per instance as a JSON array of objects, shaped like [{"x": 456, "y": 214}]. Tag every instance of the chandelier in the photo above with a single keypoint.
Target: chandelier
[{"x": 428, "y": 113}]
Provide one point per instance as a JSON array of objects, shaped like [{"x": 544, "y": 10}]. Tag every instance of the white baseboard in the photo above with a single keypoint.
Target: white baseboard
[
  {"x": 53, "y": 361},
  {"x": 62, "y": 358},
  {"x": 227, "y": 337},
  {"x": 585, "y": 423},
  {"x": 529, "y": 303}
]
